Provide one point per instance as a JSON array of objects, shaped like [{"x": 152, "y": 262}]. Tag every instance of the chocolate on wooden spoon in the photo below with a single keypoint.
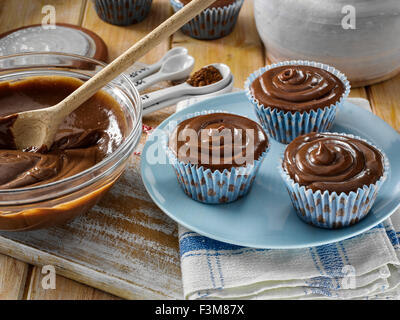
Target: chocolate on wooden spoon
[{"x": 35, "y": 130}]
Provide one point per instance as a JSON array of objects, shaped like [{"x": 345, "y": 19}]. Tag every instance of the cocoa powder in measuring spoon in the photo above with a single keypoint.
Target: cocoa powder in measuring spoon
[{"x": 204, "y": 77}]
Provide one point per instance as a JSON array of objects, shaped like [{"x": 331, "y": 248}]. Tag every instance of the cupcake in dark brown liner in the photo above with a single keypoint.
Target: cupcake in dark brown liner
[
  {"x": 333, "y": 179},
  {"x": 220, "y": 162},
  {"x": 292, "y": 98},
  {"x": 215, "y": 22},
  {"x": 122, "y": 12}
]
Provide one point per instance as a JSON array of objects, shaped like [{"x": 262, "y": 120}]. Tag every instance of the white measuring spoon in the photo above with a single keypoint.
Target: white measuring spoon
[
  {"x": 174, "y": 68},
  {"x": 186, "y": 89},
  {"x": 166, "y": 103},
  {"x": 150, "y": 69}
]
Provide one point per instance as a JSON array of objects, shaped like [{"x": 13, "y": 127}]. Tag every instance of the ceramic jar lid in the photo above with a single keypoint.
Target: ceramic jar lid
[{"x": 64, "y": 38}]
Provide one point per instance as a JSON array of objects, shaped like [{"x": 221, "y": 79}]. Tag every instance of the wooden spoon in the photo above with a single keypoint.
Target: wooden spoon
[{"x": 35, "y": 130}]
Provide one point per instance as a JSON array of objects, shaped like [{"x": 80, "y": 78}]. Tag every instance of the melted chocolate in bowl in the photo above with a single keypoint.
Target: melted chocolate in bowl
[
  {"x": 333, "y": 162},
  {"x": 297, "y": 88},
  {"x": 86, "y": 136},
  {"x": 218, "y": 141}
]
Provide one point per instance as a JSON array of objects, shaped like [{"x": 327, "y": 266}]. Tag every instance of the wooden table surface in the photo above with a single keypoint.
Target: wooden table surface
[{"x": 242, "y": 51}]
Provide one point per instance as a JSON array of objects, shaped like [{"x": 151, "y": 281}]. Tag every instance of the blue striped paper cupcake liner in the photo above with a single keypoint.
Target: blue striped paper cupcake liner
[
  {"x": 212, "y": 23},
  {"x": 207, "y": 186},
  {"x": 330, "y": 210},
  {"x": 286, "y": 126},
  {"x": 122, "y": 12}
]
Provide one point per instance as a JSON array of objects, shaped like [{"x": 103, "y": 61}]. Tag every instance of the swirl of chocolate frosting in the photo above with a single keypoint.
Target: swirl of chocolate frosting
[
  {"x": 297, "y": 88},
  {"x": 85, "y": 137},
  {"x": 333, "y": 162},
  {"x": 19, "y": 169},
  {"x": 218, "y": 141}
]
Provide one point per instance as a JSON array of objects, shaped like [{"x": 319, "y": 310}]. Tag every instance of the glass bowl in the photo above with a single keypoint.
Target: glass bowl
[{"x": 61, "y": 201}]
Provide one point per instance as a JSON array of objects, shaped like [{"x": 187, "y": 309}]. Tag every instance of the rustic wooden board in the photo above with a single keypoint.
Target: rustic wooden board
[
  {"x": 66, "y": 289},
  {"x": 126, "y": 245},
  {"x": 16, "y": 14},
  {"x": 242, "y": 50}
]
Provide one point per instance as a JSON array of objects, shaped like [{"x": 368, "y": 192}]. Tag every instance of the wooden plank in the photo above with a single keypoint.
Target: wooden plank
[
  {"x": 359, "y": 93},
  {"x": 385, "y": 99},
  {"x": 65, "y": 289},
  {"x": 14, "y": 273}
]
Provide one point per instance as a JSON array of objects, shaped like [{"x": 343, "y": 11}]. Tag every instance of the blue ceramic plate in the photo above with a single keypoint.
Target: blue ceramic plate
[{"x": 265, "y": 218}]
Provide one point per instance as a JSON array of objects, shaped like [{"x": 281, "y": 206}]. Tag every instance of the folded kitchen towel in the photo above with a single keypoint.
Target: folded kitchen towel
[{"x": 363, "y": 267}]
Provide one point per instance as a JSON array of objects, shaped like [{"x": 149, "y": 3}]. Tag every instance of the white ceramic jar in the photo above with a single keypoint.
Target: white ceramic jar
[{"x": 324, "y": 31}]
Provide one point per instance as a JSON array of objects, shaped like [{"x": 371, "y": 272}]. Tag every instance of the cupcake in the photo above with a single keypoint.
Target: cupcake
[
  {"x": 122, "y": 12},
  {"x": 333, "y": 179},
  {"x": 215, "y": 22},
  {"x": 216, "y": 155},
  {"x": 293, "y": 98}
]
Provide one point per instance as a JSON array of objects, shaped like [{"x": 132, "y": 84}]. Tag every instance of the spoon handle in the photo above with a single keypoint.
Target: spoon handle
[{"x": 124, "y": 61}]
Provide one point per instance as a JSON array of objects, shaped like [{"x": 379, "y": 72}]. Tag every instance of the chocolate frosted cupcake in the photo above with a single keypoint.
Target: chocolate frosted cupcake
[
  {"x": 216, "y": 155},
  {"x": 217, "y": 21},
  {"x": 122, "y": 12},
  {"x": 293, "y": 98},
  {"x": 333, "y": 179}
]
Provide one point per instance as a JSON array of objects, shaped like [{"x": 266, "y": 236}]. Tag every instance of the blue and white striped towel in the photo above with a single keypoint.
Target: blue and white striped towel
[{"x": 363, "y": 267}]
